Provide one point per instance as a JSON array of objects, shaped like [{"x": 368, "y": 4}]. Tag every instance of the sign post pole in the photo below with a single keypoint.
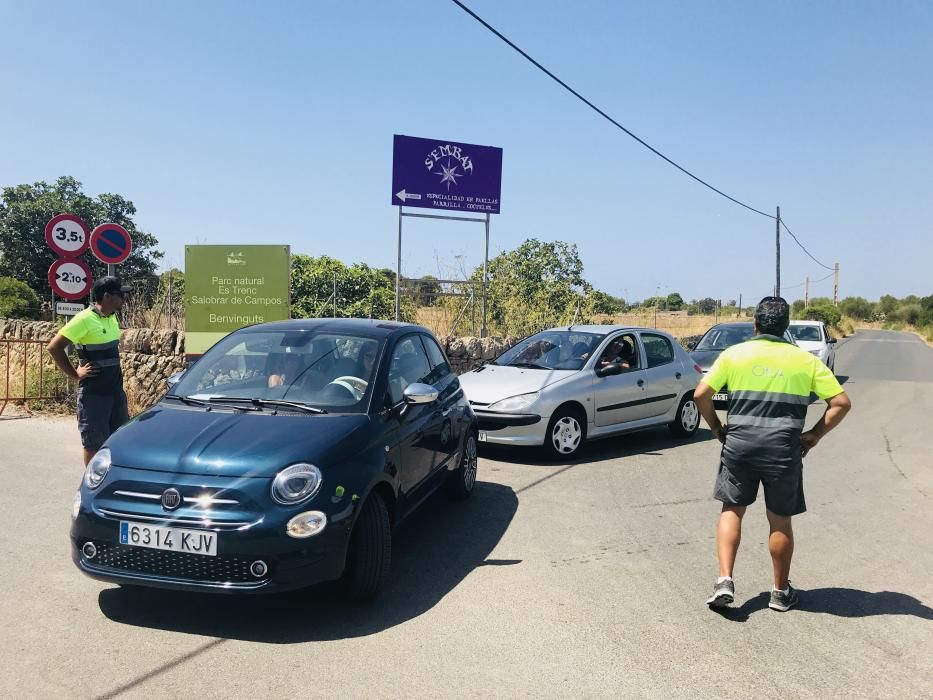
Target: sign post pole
[
  {"x": 398, "y": 268},
  {"x": 485, "y": 330}
]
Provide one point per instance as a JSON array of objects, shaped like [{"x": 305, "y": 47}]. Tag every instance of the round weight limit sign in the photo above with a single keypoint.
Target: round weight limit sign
[
  {"x": 67, "y": 235},
  {"x": 70, "y": 278}
]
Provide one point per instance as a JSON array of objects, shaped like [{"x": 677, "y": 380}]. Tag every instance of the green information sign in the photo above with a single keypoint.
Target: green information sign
[{"x": 231, "y": 286}]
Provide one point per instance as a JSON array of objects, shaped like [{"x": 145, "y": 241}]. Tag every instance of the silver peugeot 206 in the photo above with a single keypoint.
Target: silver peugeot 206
[{"x": 564, "y": 386}]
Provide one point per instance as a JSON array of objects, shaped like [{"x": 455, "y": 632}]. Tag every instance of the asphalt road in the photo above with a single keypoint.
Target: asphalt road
[{"x": 581, "y": 580}]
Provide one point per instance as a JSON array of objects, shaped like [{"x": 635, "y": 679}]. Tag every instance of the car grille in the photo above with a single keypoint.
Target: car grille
[{"x": 174, "y": 565}]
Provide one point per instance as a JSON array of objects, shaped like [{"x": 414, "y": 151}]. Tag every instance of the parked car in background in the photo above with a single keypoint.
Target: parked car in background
[
  {"x": 281, "y": 458},
  {"x": 721, "y": 336},
  {"x": 564, "y": 386},
  {"x": 814, "y": 337}
]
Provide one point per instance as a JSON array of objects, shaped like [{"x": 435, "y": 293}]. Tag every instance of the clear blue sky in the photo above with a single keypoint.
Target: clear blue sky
[{"x": 273, "y": 122}]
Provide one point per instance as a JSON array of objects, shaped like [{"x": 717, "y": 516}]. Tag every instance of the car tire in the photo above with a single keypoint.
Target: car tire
[
  {"x": 370, "y": 555},
  {"x": 461, "y": 481},
  {"x": 566, "y": 433},
  {"x": 687, "y": 420}
]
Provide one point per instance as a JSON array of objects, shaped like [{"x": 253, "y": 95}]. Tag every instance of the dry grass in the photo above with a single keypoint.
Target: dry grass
[{"x": 28, "y": 374}]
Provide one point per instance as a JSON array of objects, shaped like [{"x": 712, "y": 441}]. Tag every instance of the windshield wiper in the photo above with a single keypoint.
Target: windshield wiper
[
  {"x": 527, "y": 365},
  {"x": 187, "y": 399},
  {"x": 259, "y": 403},
  {"x": 208, "y": 403}
]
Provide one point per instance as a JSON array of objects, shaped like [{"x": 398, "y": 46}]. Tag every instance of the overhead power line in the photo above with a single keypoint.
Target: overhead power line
[
  {"x": 612, "y": 121},
  {"x": 803, "y": 248},
  {"x": 601, "y": 112}
]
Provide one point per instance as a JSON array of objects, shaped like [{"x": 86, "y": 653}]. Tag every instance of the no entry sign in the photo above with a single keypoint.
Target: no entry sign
[
  {"x": 70, "y": 278},
  {"x": 111, "y": 243},
  {"x": 67, "y": 235}
]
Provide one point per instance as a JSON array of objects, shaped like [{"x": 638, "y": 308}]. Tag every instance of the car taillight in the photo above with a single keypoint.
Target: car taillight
[{"x": 698, "y": 368}]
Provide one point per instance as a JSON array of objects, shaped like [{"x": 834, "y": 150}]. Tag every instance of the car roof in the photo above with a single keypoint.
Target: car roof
[
  {"x": 373, "y": 328},
  {"x": 598, "y": 329},
  {"x": 733, "y": 324}
]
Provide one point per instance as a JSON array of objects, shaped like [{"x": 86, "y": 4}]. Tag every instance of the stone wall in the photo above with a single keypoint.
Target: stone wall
[{"x": 148, "y": 357}]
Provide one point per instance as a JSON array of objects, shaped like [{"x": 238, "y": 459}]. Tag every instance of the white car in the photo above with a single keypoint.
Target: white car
[
  {"x": 814, "y": 337},
  {"x": 564, "y": 386}
]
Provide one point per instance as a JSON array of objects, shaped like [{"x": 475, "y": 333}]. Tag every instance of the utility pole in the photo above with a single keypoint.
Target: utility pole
[
  {"x": 335, "y": 294},
  {"x": 777, "y": 260},
  {"x": 836, "y": 285},
  {"x": 739, "y": 310},
  {"x": 806, "y": 294}
]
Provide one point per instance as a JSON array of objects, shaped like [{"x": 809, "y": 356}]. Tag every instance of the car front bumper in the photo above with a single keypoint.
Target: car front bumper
[
  {"x": 291, "y": 562},
  {"x": 524, "y": 429}
]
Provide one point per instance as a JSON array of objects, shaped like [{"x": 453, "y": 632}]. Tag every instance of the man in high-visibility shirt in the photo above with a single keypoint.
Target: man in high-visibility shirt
[
  {"x": 96, "y": 336},
  {"x": 770, "y": 382}
]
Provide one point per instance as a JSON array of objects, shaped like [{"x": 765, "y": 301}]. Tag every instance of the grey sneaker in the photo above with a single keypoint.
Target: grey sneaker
[
  {"x": 723, "y": 595},
  {"x": 783, "y": 601}
]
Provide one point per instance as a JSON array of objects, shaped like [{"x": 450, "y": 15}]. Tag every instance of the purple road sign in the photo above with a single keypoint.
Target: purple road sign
[{"x": 436, "y": 174}]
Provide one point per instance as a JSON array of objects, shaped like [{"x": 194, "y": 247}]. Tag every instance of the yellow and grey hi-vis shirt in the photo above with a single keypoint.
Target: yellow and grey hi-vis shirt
[
  {"x": 770, "y": 382},
  {"x": 97, "y": 340}
]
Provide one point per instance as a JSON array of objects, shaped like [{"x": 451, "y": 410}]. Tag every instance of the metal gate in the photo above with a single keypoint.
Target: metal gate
[{"x": 29, "y": 374}]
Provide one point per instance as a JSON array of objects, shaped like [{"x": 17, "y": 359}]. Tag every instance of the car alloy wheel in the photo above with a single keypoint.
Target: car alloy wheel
[
  {"x": 566, "y": 435},
  {"x": 461, "y": 481},
  {"x": 689, "y": 416}
]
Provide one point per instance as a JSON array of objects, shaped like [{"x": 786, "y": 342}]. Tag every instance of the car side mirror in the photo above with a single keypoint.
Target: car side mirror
[
  {"x": 610, "y": 370},
  {"x": 692, "y": 345},
  {"x": 831, "y": 340},
  {"x": 174, "y": 379},
  {"x": 418, "y": 393}
]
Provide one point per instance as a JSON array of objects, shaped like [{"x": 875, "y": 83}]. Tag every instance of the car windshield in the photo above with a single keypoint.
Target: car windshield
[
  {"x": 722, "y": 337},
  {"x": 331, "y": 371},
  {"x": 551, "y": 350},
  {"x": 805, "y": 333}
]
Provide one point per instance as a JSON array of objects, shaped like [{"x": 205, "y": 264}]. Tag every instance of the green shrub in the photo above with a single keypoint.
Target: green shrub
[
  {"x": 910, "y": 314},
  {"x": 17, "y": 300},
  {"x": 829, "y": 315}
]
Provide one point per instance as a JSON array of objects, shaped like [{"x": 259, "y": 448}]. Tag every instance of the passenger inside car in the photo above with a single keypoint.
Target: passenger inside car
[{"x": 620, "y": 351}]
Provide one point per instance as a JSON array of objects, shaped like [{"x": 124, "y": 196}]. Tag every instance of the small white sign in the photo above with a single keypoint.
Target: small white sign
[{"x": 66, "y": 308}]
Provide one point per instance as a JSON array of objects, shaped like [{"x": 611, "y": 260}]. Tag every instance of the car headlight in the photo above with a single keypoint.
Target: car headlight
[
  {"x": 296, "y": 483},
  {"x": 515, "y": 403},
  {"x": 97, "y": 469}
]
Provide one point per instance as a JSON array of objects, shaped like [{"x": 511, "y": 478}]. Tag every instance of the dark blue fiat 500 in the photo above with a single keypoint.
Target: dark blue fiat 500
[{"x": 280, "y": 459}]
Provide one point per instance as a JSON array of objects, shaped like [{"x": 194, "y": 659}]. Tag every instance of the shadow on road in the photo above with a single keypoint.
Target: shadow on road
[
  {"x": 842, "y": 602},
  {"x": 655, "y": 442},
  {"x": 434, "y": 550}
]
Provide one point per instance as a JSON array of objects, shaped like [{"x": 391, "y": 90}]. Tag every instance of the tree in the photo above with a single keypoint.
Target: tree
[
  {"x": 707, "y": 306},
  {"x": 24, "y": 211},
  {"x": 17, "y": 300},
  {"x": 426, "y": 290},
  {"x": 887, "y": 304},
  {"x": 857, "y": 307},
  {"x": 674, "y": 302},
  {"x": 827, "y": 313},
  {"x": 797, "y": 308},
  {"x": 362, "y": 292},
  {"x": 599, "y": 302},
  {"x": 539, "y": 284}
]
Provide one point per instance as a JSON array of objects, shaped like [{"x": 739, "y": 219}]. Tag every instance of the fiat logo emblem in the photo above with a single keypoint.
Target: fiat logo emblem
[{"x": 171, "y": 499}]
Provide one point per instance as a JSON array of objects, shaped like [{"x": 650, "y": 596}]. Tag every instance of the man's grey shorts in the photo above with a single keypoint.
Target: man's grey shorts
[
  {"x": 99, "y": 415},
  {"x": 738, "y": 486}
]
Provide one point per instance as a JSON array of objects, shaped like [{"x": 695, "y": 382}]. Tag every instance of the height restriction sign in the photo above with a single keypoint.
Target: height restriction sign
[
  {"x": 70, "y": 278},
  {"x": 111, "y": 243},
  {"x": 67, "y": 235}
]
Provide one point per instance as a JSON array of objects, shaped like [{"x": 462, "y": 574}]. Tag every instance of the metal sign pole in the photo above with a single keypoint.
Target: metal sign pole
[
  {"x": 485, "y": 330},
  {"x": 398, "y": 268}
]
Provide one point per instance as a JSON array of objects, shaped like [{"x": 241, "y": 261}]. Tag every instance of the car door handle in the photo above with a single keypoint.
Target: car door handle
[
  {"x": 641, "y": 382},
  {"x": 678, "y": 375}
]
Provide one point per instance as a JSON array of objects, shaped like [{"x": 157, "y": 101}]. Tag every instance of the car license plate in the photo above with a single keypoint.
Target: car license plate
[
  {"x": 170, "y": 539},
  {"x": 482, "y": 436},
  {"x": 721, "y": 396}
]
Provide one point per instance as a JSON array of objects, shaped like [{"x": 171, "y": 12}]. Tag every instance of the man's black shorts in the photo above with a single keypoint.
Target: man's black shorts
[
  {"x": 99, "y": 415},
  {"x": 738, "y": 486}
]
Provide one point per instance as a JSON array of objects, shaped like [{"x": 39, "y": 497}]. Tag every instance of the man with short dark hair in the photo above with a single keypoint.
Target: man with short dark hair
[
  {"x": 95, "y": 334},
  {"x": 770, "y": 381}
]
